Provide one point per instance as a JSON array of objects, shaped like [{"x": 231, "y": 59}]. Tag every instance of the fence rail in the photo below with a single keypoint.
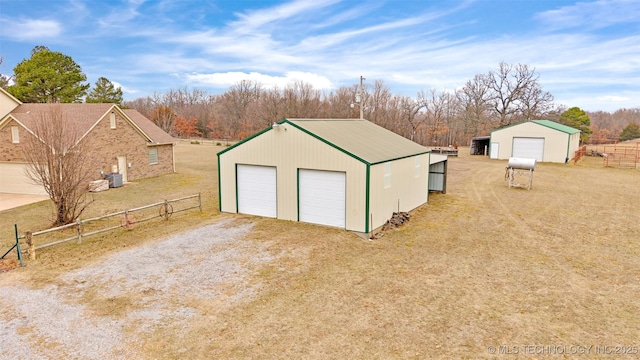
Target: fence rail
[
  {"x": 582, "y": 151},
  {"x": 127, "y": 222}
]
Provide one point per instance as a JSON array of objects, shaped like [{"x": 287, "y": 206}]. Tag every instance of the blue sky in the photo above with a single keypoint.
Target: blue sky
[{"x": 587, "y": 53}]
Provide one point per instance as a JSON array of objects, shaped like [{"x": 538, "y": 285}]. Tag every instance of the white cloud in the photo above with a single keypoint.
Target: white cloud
[
  {"x": 30, "y": 29},
  {"x": 231, "y": 78},
  {"x": 595, "y": 14},
  {"x": 125, "y": 89},
  {"x": 612, "y": 98}
]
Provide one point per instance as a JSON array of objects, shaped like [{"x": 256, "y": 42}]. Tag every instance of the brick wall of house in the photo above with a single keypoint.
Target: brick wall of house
[
  {"x": 124, "y": 140},
  {"x": 105, "y": 146},
  {"x": 8, "y": 150}
]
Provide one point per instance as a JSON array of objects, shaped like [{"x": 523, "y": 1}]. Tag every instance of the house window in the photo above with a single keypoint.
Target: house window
[
  {"x": 153, "y": 155},
  {"x": 15, "y": 134},
  {"x": 387, "y": 175},
  {"x": 112, "y": 120},
  {"x": 417, "y": 167}
]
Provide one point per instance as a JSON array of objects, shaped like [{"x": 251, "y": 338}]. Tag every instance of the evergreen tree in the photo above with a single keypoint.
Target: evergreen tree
[
  {"x": 578, "y": 119},
  {"x": 48, "y": 77},
  {"x": 632, "y": 131},
  {"x": 105, "y": 92}
]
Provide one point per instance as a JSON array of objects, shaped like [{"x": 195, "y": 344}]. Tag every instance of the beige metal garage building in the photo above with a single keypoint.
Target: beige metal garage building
[
  {"x": 345, "y": 173},
  {"x": 543, "y": 140}
]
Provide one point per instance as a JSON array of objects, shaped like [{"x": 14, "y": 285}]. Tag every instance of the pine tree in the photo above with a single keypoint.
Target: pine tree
[
  {"x": 105, "y": 92},
  {"x": 632, "y": 131},
  {"x": 48, "y": 77}
]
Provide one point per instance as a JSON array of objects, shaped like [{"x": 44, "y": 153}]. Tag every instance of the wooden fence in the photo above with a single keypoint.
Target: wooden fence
[{"x": 127, "y": 221}]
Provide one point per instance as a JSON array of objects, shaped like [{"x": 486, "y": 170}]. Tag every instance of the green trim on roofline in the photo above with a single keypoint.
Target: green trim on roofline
[
  {"x": 402, "y": 157},
  {"x": 546, "y": 123},
  {"x": 556, "y": 126},
  {"x": 325, "y": 141},
  {"x": 247, "y": 139}
]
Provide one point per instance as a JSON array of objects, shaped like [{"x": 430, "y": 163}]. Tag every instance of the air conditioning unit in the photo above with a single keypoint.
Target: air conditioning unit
[{"x": 115, "y": 180}]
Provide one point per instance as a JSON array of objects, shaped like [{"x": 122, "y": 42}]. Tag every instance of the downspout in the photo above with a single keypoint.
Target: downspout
[
  {"x": 566, "y": 159},
  {"x": 173, "y": 156}
]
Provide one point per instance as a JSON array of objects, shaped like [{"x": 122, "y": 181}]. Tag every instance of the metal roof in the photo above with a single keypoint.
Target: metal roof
[
  {"x": 556, "y": 126},
  {"x": 436, "y": 158},
  {"x": 360, "y": 138}
]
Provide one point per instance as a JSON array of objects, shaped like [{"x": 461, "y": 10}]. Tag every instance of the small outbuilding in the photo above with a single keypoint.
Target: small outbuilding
[
  {"x": 480, "y": 145},
  {"x": 543, "y": 140},
  {"x": 345, "y": 173}
]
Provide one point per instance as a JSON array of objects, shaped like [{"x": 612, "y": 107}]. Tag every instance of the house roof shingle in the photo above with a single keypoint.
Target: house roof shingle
[
  {"x": 84, "y": 116},
  {"x": 152, "y": 130}
]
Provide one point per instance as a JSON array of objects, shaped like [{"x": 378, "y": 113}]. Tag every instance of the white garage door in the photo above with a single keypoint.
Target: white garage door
[
  {"x": 14, "y": 180},
  {"x": 257, "y": 190},
  {"x": 528, "y": 148},
  {"x": 322, "y": 197}
]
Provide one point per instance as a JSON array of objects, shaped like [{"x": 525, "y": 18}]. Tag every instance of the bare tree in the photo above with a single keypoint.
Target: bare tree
[
  {"x": 164, "y": 117},
  {"x": 338, "y": 104},
  {"x": 535, "y": 103},
  {"x": 59, "y": 160},
  {"x": 409, "y": 109},
  {"x": 476, "y": 108},
  {"x": 509, "y": 85}
]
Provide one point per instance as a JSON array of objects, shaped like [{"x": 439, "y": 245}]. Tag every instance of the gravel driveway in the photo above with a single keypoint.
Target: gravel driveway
[{"x": 160, "y": 279}]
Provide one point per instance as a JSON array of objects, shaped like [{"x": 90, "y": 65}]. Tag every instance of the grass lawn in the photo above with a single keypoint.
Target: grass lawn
[{"x": 479, "y": 267}]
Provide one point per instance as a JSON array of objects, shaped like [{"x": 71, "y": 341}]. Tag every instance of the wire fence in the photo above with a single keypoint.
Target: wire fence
[
  {"x": 125, "y": 219},
  {"x": 622, "y": 156}
]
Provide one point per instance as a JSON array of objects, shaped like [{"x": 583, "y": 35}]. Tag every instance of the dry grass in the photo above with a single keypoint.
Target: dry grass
[
  {"x": 480, "y": 266},
  {"x": 196, "y": 167}
]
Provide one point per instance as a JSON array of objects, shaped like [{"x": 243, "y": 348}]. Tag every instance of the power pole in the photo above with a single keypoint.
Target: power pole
[{"x": 361, "y": 98}]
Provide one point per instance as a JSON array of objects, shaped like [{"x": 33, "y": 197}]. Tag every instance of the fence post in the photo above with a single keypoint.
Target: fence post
[
  {"x": 31, "y": 249},
  {"x": 166, "y": 210},
  {"x": 79, "y": 229},
  {"x": 200, "y": 201},
  {"x": 18, "y": 245}
]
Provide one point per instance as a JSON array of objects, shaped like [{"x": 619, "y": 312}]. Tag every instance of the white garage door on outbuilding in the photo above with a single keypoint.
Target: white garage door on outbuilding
[
  {"x": 322, "y": 197},
  {"x": 528, "y": 148},
  {"x": 257, "y": 190},
  {"x": 14, "y": 180}
]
